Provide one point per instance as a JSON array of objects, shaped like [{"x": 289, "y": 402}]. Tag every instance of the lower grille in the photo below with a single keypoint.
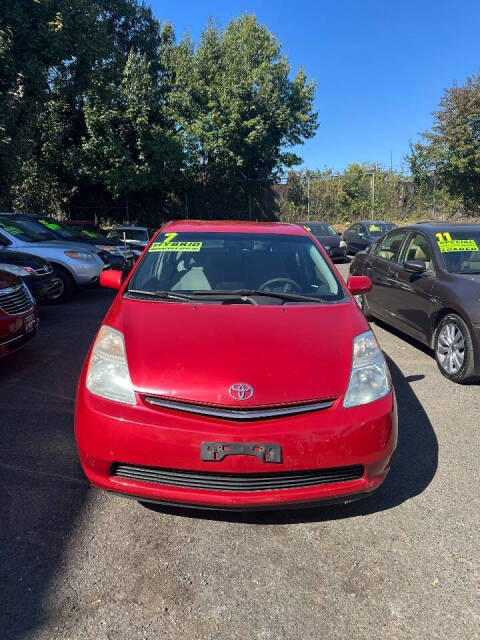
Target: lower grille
[
  {"x": 237, "y": 481},
  {"x": 15, "y": 300}
]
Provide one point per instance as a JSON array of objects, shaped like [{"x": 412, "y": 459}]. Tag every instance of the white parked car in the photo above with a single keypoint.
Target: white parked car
[{"x": 136, "y": 238}]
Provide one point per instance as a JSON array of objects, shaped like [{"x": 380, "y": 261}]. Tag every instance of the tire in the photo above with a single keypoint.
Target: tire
[
  {"x": 454, "y": 351},
  {"x": 68, "y": 287}
]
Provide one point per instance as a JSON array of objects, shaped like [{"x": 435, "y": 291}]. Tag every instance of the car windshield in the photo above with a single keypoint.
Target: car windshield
[
  {"x": 320, "y": 229},
  {"x": 253, "y": 264},
  {"x": 460, "y": 250},
  {"x": 130, "y": 234},
  {"x": 379, "y": 228},
  {"x": 58, "y": 227},
  {"x": 22, "y": 230}
]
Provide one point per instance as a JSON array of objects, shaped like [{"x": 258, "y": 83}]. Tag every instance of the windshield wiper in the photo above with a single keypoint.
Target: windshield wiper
[
  {"x": 286, "y": 297},
  {"x": 162, "y": 295}
]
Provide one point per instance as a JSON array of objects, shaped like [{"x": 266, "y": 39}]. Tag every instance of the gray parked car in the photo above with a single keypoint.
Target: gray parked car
[
  {"x": 134, "y": 237},
  {"x": 76, "y": 265}
]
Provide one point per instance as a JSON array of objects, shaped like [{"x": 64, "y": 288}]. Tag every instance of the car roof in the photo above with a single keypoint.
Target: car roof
[
  {"x": 373, "y": 222},
  {"x": 444, "y": 226},
  {"x": 430, "y": 228},
  {"x": 124, "y": 227},
  {"x": 236, "y": 226}
]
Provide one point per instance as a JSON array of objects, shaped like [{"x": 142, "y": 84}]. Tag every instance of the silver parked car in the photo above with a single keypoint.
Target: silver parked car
[
  {"x": 134, "y": 237},
  {"x": 76, "y": 265}
]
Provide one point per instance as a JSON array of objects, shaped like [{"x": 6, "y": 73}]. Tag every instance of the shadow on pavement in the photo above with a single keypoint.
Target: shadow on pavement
[
  {"x": 43, "y": 486},
  {"x": 413, "y": 468}
]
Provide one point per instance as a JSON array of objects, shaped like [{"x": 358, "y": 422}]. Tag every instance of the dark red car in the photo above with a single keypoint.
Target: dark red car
[
  {"x": 18, "y": 314},
  {"x": 234, "y": 370}
]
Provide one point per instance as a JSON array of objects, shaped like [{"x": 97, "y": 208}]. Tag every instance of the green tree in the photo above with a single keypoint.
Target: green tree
[
  {"x": 237, "y": 107},
  {"x": 450, "y": 152}
]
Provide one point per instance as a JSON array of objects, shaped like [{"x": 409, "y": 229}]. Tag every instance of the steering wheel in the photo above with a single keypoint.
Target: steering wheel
[{"x": 286, "y": 282}]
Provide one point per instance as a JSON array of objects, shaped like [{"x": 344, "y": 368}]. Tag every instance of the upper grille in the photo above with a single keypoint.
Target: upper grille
[
  {"x": 238, "y": 481},
  {"x": 250, "y": 413},
  {"x": 15, "y": 300},
  {"x": 44, "y": 270}
]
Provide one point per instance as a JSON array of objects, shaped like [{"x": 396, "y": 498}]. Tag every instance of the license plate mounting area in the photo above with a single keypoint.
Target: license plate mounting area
[{"x": 217, "y": 451}]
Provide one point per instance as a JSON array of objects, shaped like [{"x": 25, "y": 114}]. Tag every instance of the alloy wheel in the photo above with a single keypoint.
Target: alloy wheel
[{"x": 451, "y": 348}]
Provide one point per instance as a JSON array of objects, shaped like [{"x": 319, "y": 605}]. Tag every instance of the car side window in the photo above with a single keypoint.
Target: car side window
[
  {"x": 4, "y": 241},
  {"x": 418, "y": 249},
  {"x": 389, "y": 246}
]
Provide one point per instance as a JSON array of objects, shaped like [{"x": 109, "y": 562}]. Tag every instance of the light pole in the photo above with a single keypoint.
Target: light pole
[{"x": 372, "y": 173}]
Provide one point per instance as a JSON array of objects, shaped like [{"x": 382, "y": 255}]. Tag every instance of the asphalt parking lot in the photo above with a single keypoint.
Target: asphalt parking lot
[{"x": 78, "y": 563}]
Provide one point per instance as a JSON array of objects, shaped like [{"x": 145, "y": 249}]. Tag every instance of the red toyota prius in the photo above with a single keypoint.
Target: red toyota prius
[{"x": 235, "y": 371}]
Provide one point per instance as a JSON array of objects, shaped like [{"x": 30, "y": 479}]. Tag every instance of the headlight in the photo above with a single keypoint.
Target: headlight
[
  {"x": 342, "y": 244},
  {"x": 17, "y": 271},
  {"x": 80, "y": 255},
  {"x": 108, "y": 375},
  {"x": 105, "y": 247},
  {"x": 369, "y": 379}
]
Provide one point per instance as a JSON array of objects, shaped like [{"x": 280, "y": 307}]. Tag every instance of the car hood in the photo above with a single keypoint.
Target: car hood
[
  {"x": 8, "y": 280},
  {"x": 288, "y": 354},
  {"x": 330, "y": 241},
  {"x": 21, "y": 259},
  {"x": 64, "y": 245}
]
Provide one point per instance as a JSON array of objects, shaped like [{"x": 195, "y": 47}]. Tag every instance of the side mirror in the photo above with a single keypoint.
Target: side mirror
[
  {"x": 111, "y": 279},
  {"x": 415, "y": 266},
  {"x": 359, "y": 285}
]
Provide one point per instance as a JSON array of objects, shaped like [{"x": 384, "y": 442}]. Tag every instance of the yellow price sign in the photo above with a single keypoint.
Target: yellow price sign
[{"x": 447, "y": 245}]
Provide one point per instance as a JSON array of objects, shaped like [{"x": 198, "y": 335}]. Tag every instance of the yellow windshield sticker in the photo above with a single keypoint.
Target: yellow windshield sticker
[
  {"x": 168, "y": 245},
  {"x": 447, "y": 245},
  {"x": 451, "y": 246},
  {"x": 374, "y": 227}
]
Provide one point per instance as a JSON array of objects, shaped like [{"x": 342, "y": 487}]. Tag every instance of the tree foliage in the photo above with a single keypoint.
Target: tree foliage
[
  {"x": 449, "y": 156},
  {"x": 101, "y": 108},
  {"x": 347, "y": 196}
]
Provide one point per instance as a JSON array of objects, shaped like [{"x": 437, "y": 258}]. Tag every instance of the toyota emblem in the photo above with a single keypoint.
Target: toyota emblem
[{"x": 241, "y": 391}]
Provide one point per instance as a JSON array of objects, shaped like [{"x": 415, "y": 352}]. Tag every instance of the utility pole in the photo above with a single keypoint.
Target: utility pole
[
  {"x": 373, "y": 193},
  {"x": 308, "y": 198}
]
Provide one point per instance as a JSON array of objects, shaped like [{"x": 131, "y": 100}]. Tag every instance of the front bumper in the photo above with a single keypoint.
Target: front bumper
[
  {"x": 12, "y": 332},
  {"x": 337, "y": 252},
  {"x": 42, "y": 287},
  {"x": 86, "y": 273},
  {"x": 110, "y": 434}
]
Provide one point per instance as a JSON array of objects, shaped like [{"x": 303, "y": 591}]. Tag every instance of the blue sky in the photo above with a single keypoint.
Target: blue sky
[{"x": 381, "y": 67}]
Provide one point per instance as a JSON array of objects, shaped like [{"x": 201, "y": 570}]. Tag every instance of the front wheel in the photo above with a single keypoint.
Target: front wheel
[
  {"x": 65, "y": 290},
  {"x": 453, "y": 347}
]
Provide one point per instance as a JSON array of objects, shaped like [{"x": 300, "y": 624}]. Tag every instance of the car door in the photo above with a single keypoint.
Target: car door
[
  {"x": 353, "y": 238},
  {"x": 414, "y": 304},
  {"x": 382, "y": 299}
]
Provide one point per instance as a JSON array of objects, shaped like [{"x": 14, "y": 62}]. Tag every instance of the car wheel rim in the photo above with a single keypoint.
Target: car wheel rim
[{"x": 451, "y": 348}]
